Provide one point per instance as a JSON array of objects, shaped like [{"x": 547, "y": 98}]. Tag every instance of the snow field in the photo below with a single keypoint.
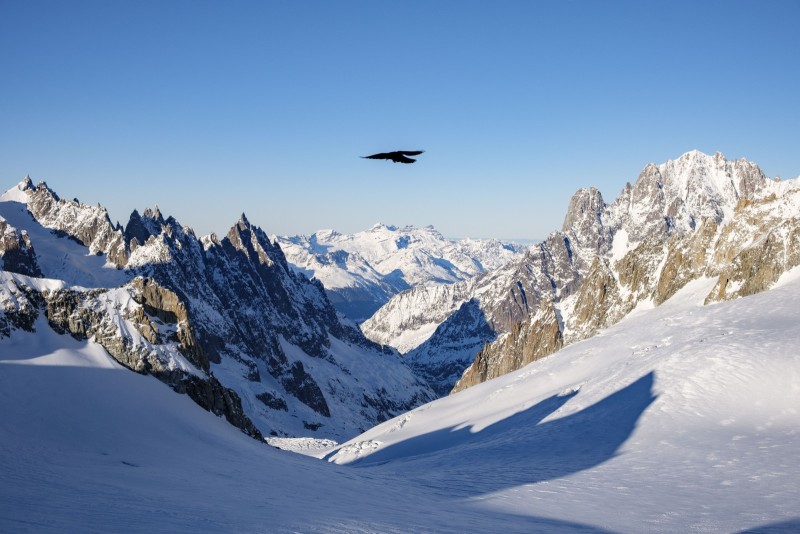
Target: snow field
[{"x": 679, "y": 418}]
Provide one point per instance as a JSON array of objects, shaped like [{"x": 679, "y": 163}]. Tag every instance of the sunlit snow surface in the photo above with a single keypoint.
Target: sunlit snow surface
[
  {"x": 60, "y": 258},
  {"x": 681, "y": 418}
]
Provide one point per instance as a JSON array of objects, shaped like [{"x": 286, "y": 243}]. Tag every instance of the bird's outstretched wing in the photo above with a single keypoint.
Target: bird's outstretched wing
[
  {"x": 382, "y": 155},
  {"x": 398, "y": 156}
]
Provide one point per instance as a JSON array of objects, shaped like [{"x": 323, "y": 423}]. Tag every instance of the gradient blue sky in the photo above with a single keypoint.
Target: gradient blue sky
[{"x": 211, "y": 109}]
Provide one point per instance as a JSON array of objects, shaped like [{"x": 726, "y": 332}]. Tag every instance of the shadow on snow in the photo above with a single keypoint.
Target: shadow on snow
[
  {"x": 519, "y": 449},
  {"x": 790, "y": 526}
]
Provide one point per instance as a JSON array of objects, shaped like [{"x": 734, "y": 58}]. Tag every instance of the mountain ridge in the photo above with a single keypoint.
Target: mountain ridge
[
  {"x": 238, "y": 313},
  {"x": 361, "y": 271},
  {"x": 694, "y": 195}
]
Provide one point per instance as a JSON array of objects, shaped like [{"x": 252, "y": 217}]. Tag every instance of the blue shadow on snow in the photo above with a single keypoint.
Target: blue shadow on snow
[{"x": 520, "y": 449}]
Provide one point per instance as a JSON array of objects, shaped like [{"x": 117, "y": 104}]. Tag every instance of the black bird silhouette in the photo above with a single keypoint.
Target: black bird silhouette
[{"x": 398, "y": 156}]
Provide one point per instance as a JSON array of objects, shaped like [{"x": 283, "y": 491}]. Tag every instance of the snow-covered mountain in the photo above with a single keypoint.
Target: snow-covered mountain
[
  {"x": 696, "y": 216},
  {"x": 680, "y": 418},
  {"x": 668, "y": 402},
  {"x": 362, "y": 271},
  {"x": 224, "y": 320}
]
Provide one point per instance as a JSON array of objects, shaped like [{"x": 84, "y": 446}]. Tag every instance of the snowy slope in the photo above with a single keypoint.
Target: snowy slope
[
  {"x": 680, "y": 418},
  {"x": 262, "y": 342},
  {"x": 59, "y": 258},
  {"x": 89, "y": 447}
]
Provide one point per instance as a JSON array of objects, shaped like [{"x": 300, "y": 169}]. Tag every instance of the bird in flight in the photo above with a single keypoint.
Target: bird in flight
[{"x": 398, "y": 156}]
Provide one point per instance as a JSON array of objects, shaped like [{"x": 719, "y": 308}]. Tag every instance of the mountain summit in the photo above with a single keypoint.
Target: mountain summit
[
  {"x": 260, "y": 343},
  {"x": 362, "y": 271},
  {"x": 695, "y": 216}
]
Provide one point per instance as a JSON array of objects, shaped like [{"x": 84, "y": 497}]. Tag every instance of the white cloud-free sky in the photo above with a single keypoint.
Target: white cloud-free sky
[{"x": 211, "y": 109}]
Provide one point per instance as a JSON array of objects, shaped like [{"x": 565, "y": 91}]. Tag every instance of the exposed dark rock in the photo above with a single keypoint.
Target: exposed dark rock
[
  {"x": 74, "y": 312},
  {"x": 20, "y": 308},
  {"x": 164, "y": 304},
  {"x": 89, "y": 225},
  {"x": 687, "y": 259},
  {"x": 16, "y": 251},
  {"x": 469, "y": 322},
  {"x": 597, "y": 302},
  {"x": 584, "y": 218},
  {"x": 529, "y": 340},
  {"x": 303, "y": 386},
  {"x": 214, "y": 397},
  {"x": 273, "y": 401}
]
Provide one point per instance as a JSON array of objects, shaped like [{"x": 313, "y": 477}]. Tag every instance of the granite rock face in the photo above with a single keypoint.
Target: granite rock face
[
  {"x": 20, "y": 305},
  {"x": 16, "y": 251},
  {"x": 139, "y": 341},
  {"x": 89, "y": 225},
  {"x": 538, "y": 336},
  {"x": 697, "y": 216},
  {"x": 226, "y": 321}
]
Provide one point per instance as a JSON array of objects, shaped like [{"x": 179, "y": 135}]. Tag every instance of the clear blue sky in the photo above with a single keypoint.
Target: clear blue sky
[{"x": 211, "y": 109}]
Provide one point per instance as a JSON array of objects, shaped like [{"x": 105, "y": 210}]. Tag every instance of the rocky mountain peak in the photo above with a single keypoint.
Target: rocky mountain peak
[
  {"x": 697, "y": 215},
  {"x": 45, "y": 189},
  {"x": 89, "y": 225},
  {"x": 584, "y": 218},
  {"x": 606, "y": 259},
  {"x": 210, "y": 240},
  {"x": 246, "y": 237},
  {"x": 141, "y": 228},
  {"x": 585, "y": 203},
  {"x": 674, "y": 196},
  {"x": 155, "y": 215},
  {"x": 715, "y": 176},
  {"x": 196, "y": 303},
  {"x": 380, "y": 227}
]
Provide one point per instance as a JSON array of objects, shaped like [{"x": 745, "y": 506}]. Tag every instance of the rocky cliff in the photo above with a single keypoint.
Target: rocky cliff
[
  {"x": 695, "y": 216},
  {"x": 89, "y": 225},
  {"x": 698, "y": 216},
  {"x": 136, "y": 327},
  {"x": 223, "y": 320}
]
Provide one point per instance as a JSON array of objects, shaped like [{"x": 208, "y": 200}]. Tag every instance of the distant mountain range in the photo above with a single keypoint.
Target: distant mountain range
[{"x": 362, "y": 271}]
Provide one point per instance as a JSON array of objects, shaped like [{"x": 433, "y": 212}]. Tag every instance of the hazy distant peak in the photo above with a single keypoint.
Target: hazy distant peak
[{"x": 382, "y": 226}]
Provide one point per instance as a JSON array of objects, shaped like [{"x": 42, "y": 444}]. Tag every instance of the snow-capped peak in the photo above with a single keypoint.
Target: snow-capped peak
[
  {"x": 19, "y": 192},
  {"x": 366, "y": 268}
]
